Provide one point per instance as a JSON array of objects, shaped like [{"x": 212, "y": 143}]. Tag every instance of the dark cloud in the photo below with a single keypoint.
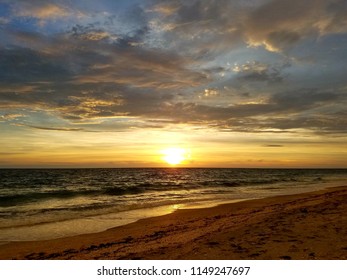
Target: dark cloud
[
  {"x": 202, "y": 27},
  {"x": 279, "y": 24},
  {"x": 306, "y": 99},
  {"x": 23, "y": 65},
  {"x": 283, "y": 39},
  {"x": 282, "y": 112},
  {"x": 90, "y": 33},
  {"x": 260, "y": 72},
  {"x": 319, "y": 123},
  {"x": 82, "y": 75}
]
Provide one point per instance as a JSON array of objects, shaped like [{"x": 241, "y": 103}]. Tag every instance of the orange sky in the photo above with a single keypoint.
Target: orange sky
[{"x": 143, "y": 148}]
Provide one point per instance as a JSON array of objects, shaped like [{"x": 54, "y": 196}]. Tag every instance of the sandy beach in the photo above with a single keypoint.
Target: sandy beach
[{"x": 303, "y": 226}]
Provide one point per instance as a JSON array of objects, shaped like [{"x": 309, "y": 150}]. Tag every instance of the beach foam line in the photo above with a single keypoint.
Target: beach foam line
[
  {"x": 102, "y": 222},
  {"x": 299, "y": 226}
]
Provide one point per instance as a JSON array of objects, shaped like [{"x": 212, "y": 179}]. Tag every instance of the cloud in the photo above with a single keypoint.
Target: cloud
[
  {"x": 82, "y": 77},
  {"x": 273, "y": 146},
  {"x": 165, "y": 8},
  {"x": 53, "y": 128},
  {"x": 4, "y": 20},
  {"x": 45, "y": 11},
  {"x": 305, "y": 99},
  {"x": 200, "y": 29},
  {"x": 10, "y": 117},
  {"x": 93, "y": 35},
  {"x": 302, "y": 109},
  {"x": 277, "y": 25},
  {"x": 259, "y": 72},
  {"x": 20, "y": 65},
  {"x": 41, "y": 10},
  {"x": 280, "y": 24},
  {"x": 152, "y": 63}
]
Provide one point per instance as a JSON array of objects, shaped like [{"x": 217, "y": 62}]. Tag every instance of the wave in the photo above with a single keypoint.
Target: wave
[
  {"x": 19, "y": 199},
  {"x": 19, "y": 187},
  {"x": 34, "y": 195},
  {"x": 123, "y": 191}
]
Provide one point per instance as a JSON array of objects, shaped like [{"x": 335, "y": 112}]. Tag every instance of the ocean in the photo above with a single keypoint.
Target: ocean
[{"x": 38, "y": 204}]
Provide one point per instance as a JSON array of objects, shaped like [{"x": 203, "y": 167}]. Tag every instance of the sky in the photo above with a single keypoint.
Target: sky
[{"x": 226, "y": 83}]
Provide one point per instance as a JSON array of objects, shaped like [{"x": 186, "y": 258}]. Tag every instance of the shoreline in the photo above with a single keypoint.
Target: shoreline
[
  {"x": 89, "y": 224},
  {"x": 299, "y": 226}
]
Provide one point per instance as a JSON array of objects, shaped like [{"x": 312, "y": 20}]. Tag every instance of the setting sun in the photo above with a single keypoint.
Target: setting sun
[{"x": 174, "y": 156}]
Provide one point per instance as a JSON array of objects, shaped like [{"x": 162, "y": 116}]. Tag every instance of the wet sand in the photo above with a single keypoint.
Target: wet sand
[{"x": 303, "y": 226}]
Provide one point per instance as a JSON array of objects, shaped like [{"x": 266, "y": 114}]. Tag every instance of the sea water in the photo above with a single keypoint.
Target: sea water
[{"x": 37, "y": 204}]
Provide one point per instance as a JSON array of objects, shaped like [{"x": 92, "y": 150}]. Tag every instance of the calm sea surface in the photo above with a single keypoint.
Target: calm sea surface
[{"x": 47, "y": 203}]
